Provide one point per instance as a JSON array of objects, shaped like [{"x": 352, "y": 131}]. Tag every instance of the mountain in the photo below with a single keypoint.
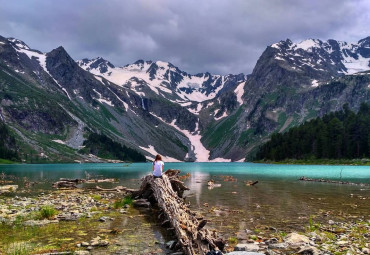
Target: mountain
[
  {"x": 293, "y": 82},
  {"x": 164, "y": 79},
  {"x": 50, "y": 102}
]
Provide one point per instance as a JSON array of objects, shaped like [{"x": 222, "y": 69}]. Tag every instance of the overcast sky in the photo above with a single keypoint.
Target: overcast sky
[{"x": 219, "y": 36}]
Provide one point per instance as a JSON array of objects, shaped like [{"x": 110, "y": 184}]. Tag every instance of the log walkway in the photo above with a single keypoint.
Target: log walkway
[{"x": 166, "y": 193}]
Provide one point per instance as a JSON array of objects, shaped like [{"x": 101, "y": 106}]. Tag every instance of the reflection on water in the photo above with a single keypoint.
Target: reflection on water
[{"x": 196, "y": 183}]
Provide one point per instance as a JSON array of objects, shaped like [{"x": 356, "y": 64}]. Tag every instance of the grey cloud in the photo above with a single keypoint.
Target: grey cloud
[{"x": 224, "y": 36}]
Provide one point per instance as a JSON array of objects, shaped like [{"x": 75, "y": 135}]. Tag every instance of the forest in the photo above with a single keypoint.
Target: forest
[
  {"x": 338, "y": 135},
  {"x": 104, "y": 147},
  {"x": 7, "y": 144}
]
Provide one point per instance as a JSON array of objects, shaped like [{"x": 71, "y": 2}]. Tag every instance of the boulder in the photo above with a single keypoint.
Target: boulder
[
  {"x": 246, "y": 247},
  {"x": 295, "y": 239}
]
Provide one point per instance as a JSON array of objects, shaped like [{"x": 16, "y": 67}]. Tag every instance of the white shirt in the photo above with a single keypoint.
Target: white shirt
[{"x": 158, "y": 165}]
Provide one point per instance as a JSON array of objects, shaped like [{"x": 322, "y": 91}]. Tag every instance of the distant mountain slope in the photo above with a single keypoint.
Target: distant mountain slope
[{"x": 51, "y": 102}]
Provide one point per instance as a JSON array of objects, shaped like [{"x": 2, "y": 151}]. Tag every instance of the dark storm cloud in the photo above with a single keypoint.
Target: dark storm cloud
[{"x": 223, "y": 36}]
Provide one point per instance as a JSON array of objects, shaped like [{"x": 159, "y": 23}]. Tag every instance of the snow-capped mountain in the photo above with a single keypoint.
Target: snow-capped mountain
[
  {"x": 325, "y": 57},
  {"x": 164, "y": 79},
  {"x": 51, "y": 101}
]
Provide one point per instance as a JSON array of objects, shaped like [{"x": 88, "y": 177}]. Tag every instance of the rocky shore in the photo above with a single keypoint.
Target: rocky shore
[{"x": 90, "y": 221}]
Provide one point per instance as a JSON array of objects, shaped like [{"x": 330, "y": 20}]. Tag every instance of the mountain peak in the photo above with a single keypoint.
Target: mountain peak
[
  {"x": 365, "y": 42},
  {"x": 18, "y": 43}
]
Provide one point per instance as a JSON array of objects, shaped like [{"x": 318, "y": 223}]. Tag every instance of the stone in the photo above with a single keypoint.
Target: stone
[
  {"x": 309, "y": 250},
  {"x": 271, "y": 241},
  {"x": 8, "y": 188},
  {"x": 171, "y": 244},
  {"x": 296, "y": 239},
  {"x": 278, "y": 246},
  {"x": 342, "y": 243},
  {"x": 246, "y": 247},
  {"x": 365, "y": 251},
  {"x": 85, "y": 244},
  {"x": 81, "y": 252},
  {"x": 103, "y": 219},
  {"x": 244, "y": 253},
  {"x": 331, "y": 222}
]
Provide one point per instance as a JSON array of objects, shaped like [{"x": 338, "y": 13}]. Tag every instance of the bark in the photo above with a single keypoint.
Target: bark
[{"x": 167, "y": 192}]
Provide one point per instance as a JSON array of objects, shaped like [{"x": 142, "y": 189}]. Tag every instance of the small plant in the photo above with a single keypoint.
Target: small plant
[
  {"x": 19, "y": 249},
  {"x": 121, "y": 202},
  {"x": 233, "y": 240},
  {"x": 310, "y": 222},
  {"x": 47, "y": 212},
  {"x": 96, "y": 197},
  {"x": 283, "y": 234}
]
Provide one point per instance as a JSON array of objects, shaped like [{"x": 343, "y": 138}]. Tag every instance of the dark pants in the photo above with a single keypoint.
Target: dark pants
[{"x": 157, "y": 176}]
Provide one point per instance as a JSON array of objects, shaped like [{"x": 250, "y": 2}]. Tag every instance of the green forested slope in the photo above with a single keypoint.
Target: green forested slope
[
  {"x": 8, "y": 149},
  {"x": 105, "y": 147},
  {"x": 338, "y": 135}
]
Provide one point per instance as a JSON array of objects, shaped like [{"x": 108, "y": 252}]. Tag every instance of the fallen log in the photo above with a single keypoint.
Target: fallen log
[{"x": 167, "y": 192}]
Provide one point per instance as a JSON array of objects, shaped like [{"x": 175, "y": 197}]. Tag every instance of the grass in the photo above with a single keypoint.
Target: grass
[
  {"x": 6, "y": 161},
  {"x": 121, "y": 202},
  {"x": 48, "y": 212},
  {"x": 232, "y": 240},
  {"x": 20, "y": 248},
  {"x": 96, "y": 197}
]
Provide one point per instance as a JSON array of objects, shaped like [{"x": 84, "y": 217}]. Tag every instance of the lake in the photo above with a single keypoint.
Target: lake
[{"x": 278, "y": 201}]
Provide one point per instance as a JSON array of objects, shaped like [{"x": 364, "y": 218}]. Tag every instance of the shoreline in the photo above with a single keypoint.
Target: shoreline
[
  {"x": 89, "y": 221},
  {"x": 324, "y": 162}
]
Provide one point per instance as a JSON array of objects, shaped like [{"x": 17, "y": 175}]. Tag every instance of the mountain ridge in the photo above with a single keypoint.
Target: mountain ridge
[{"x": 155, "y": 107}]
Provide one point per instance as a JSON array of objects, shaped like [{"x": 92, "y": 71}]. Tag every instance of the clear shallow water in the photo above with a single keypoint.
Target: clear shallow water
[
  {"x": 137, "y": 170},
  {"x": 278, "y": 200}
]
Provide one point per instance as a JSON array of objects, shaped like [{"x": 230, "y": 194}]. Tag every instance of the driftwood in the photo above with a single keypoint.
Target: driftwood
[
  {"x": 117, "y": 189},
  {"x": 167, "y": 193},
  {"x": 331, "y": 181},
  {"x": 251, "y": 183},
  {"x": 67, "y": 183}
]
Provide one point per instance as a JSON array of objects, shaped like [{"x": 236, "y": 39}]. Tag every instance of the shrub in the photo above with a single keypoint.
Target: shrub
[
  {"x": 47, "y": 212},
  {"x": 121, "y": 202}
]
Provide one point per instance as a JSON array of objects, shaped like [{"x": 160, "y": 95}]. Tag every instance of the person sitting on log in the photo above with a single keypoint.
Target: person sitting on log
[{"x": 158, "y": 166}]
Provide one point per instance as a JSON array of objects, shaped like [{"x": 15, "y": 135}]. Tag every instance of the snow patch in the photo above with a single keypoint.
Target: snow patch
[
  {"x": 220, "y": 160},
  {"x": 222, "y": 116},
  {"x": 314, "y": 83},
  {"x": 239, "y": 91},
  {"x": 356, "y": 65},
  {"x": 59, "y": 141},
  {"x": 308, "y": 44},
  {"x": 201, "y": 153}
]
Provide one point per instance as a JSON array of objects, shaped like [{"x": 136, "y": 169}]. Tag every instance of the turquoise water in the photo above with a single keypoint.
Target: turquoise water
[
  {"x": 137, "y": 170},
  {"x": 278, "y": 200}
]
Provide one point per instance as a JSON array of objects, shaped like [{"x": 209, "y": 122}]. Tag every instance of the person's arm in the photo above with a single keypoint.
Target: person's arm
[
  {"x": 153, "y": 166},
  {"x": 162, "y": 166}
]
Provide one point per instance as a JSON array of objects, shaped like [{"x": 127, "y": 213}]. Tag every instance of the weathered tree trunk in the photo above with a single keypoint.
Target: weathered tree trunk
[{"x": 167, "y": 192}]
